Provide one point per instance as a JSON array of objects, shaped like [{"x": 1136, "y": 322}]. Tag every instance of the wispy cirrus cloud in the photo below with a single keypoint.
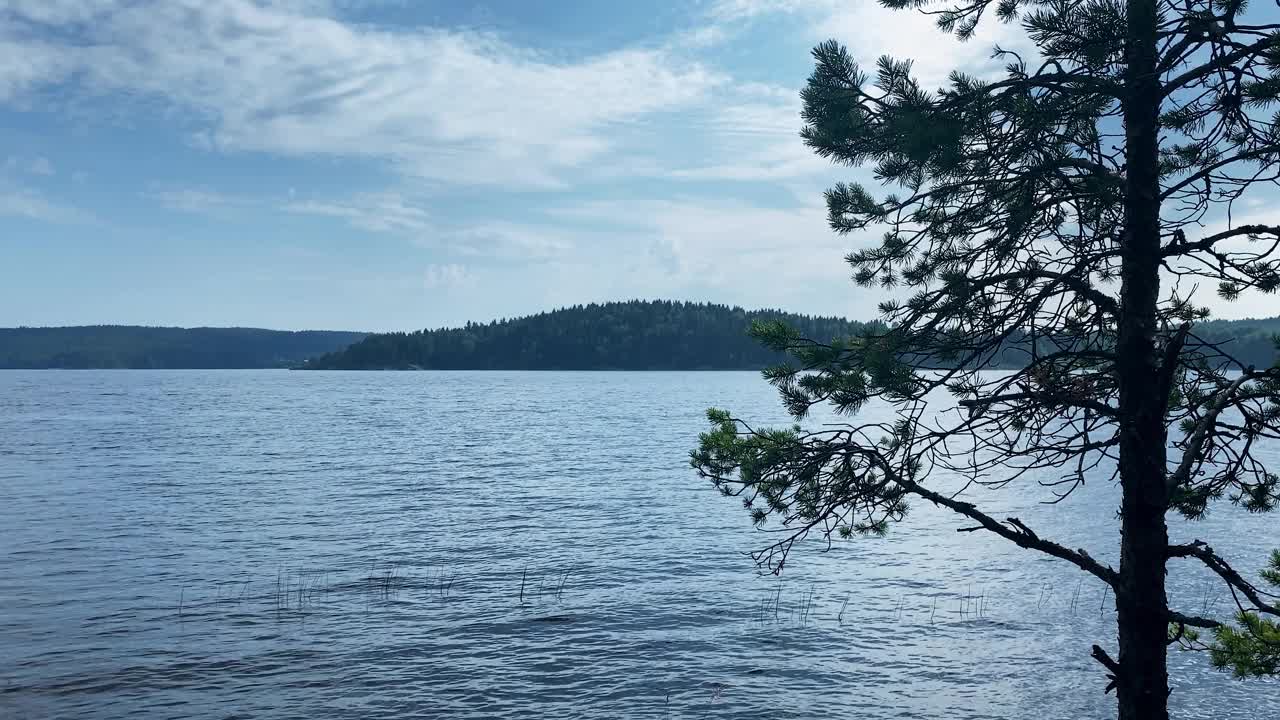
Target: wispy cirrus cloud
[
  {"x": 758, "y": 139},
  {"x": 23, "y": 192},
  {"x": 407, "y": 215},
  {"x": 26, "y": 204},
  {"x": 529, "y": 241},
  {"x": 287, "y": 77},
  {"x": 724, "y": 11},
  {"x": 198, "y": 200},
  {"x": 376, "y": 212}
]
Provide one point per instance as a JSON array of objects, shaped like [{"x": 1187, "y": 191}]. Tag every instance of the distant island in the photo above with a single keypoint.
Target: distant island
[
  {"x": 633, "y": 335},
  {"x": 135, "y": 347},
  {"x": 653, "y": 335}
]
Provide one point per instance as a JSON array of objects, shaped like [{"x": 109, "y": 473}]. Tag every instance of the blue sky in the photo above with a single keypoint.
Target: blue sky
[{"x": 398, "y": 164}]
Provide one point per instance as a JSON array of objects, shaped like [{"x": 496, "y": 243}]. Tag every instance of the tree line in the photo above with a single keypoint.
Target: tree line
[
  {"x": 135, "y": 347},
  {"x": 633, "y": 335},
  {"x": 671, "y": 335}
]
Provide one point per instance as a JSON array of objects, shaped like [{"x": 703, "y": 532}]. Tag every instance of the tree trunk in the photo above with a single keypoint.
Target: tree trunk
[{"x": 1142, "y": 682}]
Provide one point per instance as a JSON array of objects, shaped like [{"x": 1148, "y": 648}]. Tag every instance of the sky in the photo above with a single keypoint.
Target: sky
[{"x": 400, "y": 164}]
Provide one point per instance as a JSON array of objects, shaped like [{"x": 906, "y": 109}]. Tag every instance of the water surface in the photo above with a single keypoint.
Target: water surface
[{"x": 267, "y": 544}]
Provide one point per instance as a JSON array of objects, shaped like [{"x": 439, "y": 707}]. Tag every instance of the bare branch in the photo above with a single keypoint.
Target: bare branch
[
  {"x": 1234, "y": 580},
  {"x": 1019, "y": 534}
]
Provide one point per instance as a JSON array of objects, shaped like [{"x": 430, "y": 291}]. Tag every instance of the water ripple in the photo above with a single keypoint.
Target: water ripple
[{"x": 506, "y": 545}]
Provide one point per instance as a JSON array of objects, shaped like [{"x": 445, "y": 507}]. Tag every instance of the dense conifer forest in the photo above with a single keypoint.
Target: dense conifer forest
[
  {"x": 125, "y": 346},
  {"x": 635, "y": 335},
  {"x": 658, "y": 335}
]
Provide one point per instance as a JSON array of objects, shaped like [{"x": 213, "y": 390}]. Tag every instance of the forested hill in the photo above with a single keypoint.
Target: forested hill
[
  {"x": 125, "y": 346},
  {"x": 636, "y": 335},
  {"x": 653, "y": 335},
  {"x": 1251, "y": 341}
]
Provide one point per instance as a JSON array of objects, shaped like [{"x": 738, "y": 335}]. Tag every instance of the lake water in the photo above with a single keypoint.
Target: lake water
[{"x": 510, "y": 545}]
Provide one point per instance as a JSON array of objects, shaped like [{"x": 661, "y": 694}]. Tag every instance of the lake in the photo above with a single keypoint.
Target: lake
[{"x": 274, "y": 544}]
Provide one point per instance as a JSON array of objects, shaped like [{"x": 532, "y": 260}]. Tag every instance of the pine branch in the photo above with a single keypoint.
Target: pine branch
[
  {"x": 1191, "y": 621},
  {"x": 1205, "y": 554},
  {"x": 1203, "y": 429},
  {"x": 1220, "y": 63},
  {"x": 1206, "y": 243},
  {"x": 1209, "y": 170},
  {"x": 1074, "y": 281},
  {"x": 1113, "y": 667},
  {"x": 1040, "y": 397},
  {"x": 1013, "y": 530}
]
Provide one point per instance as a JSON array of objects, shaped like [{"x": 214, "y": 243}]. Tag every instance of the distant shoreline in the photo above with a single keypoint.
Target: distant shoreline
[{"x": 631, "y": 336}]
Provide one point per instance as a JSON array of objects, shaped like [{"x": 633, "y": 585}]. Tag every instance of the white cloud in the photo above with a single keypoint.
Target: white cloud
[
  {"x": 457, "y": 107},
  {"x": 60, "y": 12},
  {"x": 497, "y": 240},
  {"x": 282, "y": 77},
  {"x": 377, "y": 212},
  {"x": 871, "y": 30},
  {"x": 27, "y": 64},
  {"x": 449, "y": 275},
  {"x": 19, "y": 200},
  {"x": 755, "y": 135},
  {"x": 196, "y": 200},
  {"x": 29, "y": 205},
  {"x": 694, "y": 248},
  {"x": 759, "y": 139},
  {"x": 723, "y": 243},
  {"x": 752, "y": 135},
  {"x": 488, "y": 241},
  {"x": 736, "y": 10}
]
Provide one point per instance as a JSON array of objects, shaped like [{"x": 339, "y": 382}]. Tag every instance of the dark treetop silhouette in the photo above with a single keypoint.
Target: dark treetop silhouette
[
  {"x": 635, "y": 335},
  {"x": 659, "y": 335},
  {"x": 129, "y": 346},
  {"x": 1064, "y": 202}
]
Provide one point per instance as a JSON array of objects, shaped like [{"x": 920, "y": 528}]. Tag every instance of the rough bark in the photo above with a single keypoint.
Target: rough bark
[{"x": 1142, "y": 682}]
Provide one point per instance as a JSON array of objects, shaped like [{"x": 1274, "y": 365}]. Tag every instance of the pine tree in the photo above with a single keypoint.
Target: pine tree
[{"x": 1056, "y": 214}]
